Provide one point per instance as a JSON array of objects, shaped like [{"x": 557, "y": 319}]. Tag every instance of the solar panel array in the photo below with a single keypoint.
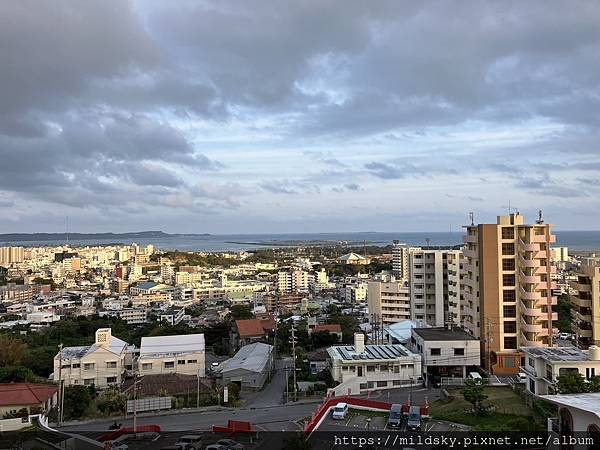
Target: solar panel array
[{"x": 372, "y": 352}]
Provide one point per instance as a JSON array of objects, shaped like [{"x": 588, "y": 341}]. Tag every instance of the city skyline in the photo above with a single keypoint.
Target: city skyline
[{"x": 261, "y": 117}]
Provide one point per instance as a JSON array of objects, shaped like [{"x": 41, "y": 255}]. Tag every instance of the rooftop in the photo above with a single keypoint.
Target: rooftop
[
  {"x": 171, "y": 345},
  {"x": 557, "y": 354},
  {"x": 13, "y": 394},
  {"x": 252, "y": 357},
  {"x": 584, "y": 402},
  {"x": 330, "y": 327},
  {"x": 254, "y": 327},
  {"x": 373, "y": 352},
  {"x": 443, "y": 334}
]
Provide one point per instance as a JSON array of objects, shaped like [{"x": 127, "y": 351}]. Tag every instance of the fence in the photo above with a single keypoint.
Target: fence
[
  {"x": 148, "y": 404},
  {"x": 14, "y": 424}
]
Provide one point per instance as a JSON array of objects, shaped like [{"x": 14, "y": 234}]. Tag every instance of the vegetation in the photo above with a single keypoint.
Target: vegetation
[
  {"x": 196, "y": 259},
  {"x": 575, "y": 383},
  {"x": 17, "y": 374},
  {"x": 564, "y": 314},
  {"x": 13, "y": 351},
  {"x": 473, "y": 393},
  {"x": 241, "y": 312},
  {"x": 78, "y": 400}
]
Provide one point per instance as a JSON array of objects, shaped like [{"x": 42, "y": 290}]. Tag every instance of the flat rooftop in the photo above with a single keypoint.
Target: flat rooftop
[
  {"x": 372, "y": 352},
  {"x": 557, "y": 353},
  {"x": 443, "y": 334}
]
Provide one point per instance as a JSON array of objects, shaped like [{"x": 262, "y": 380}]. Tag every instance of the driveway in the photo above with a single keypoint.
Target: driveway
[{"x": 273, "y": 392}]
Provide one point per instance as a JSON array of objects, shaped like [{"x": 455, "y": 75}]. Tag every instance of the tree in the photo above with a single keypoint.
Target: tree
[
  {"x": 78, "y": 400},
  {"x": 564, "y": 314},
  {"x": 572, "y": 383},
  {"x": 349, "y": 325},
  {"x": 13, "y": 351},
  {"x": 111, "y": 401},
  {"x": 473, "y": 393},
  {"x": 15, "y": 374},
  {"x": 241, "y": 312},
  {"x": 324, "y": 339}
]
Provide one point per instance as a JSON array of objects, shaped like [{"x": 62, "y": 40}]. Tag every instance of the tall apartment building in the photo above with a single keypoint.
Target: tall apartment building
[
  {"x": 293, "y": 281},
  {"x": 507, "y": 289},
  {"x": 585, "y": 304},
  {"x": 388, "y": 301},
  {"x": 401, "y": 260},
  {"x": 434, "y": 280},
  {"x": 9, "y": 255}
]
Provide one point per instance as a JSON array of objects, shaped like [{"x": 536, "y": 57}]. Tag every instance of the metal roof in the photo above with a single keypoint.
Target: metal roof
[
  {"x": 252, "y": 357},
  {"x": 171, "y": 345},
  {"x": 557, "y": 354}
]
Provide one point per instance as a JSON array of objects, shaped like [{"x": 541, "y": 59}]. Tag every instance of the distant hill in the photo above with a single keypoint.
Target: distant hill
[{"x": 25, "y": 237}]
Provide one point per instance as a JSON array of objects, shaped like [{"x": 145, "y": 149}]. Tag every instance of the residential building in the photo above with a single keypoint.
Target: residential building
[
  {"x": 16, "y": 293},
  {"x": 331, "y": 328},
  {"x": 250, "y": 368},
  {"x": 435, "y": 285},
  {"x": 282, "y": 302},
  {"x": 354, "y": 259},
  {"x": 576, "y": 413},
  {"x": 35, "y": 398},
  {"x": 388, "y": 301},
  {"x": 9, "y": 255},
  {"x": 543, "y": 366},
  {"x": 445, "y": 352},
  {"x": 361, "y": 367},
  {"x": 101, "y": 364},
  {"x": 172, "y": 316},
  {"x": 292, "y": 281},
  {"x": 248, "y": 331},
  {"x": 183, "y": 354},
  {"x": 507, "y": 289},
  {"x": 133, "y": 316},
  {"x": 400, "y": 260},
  {"x": 585, "y": 304}
]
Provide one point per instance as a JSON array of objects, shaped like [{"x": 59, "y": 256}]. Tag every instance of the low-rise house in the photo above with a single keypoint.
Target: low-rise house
[
  {"x": 249, "y": 368},
  {"x": 331, "y": 328},
  {"x": 543, "y": 366},
  {"x": 317, "y": 360},
  {"x": 248, "y": 331},
  {"x": 576, "y": 413},
  {"x": 183, "y": 354},
  {"x": 361, "y": 367},
  {"x": 33, "y": 397},
  {"x": 101, "y": 364},
  {"x": 172, "y": 316},
  {"x": 445, "y": 352}
]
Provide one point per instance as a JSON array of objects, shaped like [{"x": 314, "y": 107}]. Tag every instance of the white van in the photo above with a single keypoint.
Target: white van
[
  {"x": 475, "y": 376},
  {"x": 521, "y": 377},
  {"x": 340, "y": 411}
]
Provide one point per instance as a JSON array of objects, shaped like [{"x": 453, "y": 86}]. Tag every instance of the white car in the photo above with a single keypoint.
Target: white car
[
  {"x": 564, "y": 335},
  {"x": 340, "y": 411},
  {"x": 521, "y": 377}
]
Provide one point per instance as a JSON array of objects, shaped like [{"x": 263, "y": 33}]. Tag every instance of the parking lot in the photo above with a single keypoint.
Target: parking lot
[
  {"x": 359, "y": 420},
  {"x": 156, "y": 442}
]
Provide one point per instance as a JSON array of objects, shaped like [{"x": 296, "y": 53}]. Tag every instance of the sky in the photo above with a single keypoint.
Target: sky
[{"x": 297, "y": 116}]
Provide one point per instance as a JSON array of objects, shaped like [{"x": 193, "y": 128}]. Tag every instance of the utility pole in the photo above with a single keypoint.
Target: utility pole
[
  {"x": 488, "y": 342},
  {"x": 60, "y": 386},
  {"x": 294, "y": 359},
  {"x": 134, "y": 402},
  {"x": 198, "y": 390}
]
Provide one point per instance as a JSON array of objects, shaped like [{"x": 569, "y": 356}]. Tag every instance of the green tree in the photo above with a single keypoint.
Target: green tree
[
  {"x": 241, "y": 312},
  {"x": 324, "y": 339},
  {"x": 572, "y": 383},
  {"x": 77, "y": 400},
  {"x": 15, "y": 374},
  {"x": 349, "y": 325},
  {"x": 297, "y": 441},
  {"x": 563, "y": 308},
  {"x": 473, "y": 393},
  {"x": 13, "y": 351},
  {"x": 111, "y": 401}
]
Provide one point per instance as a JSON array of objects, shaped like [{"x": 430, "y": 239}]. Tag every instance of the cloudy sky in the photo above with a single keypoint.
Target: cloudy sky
[{"x": 313, "y": 115}]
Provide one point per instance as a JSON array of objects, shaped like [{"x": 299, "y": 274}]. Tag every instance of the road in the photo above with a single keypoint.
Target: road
[{"x": 273, "y": 392}]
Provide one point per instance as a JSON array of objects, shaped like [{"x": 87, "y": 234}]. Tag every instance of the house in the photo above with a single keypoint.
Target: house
[
  {"x": 183, "y": 354},
  {"x": 353, "y": 259},
  {"x": 31, "y": 396},
  {"x": 172, "y": 316},
  {"x": 101, "y": 364},
  {"x": 445, "y": 352},
  {"x": 361, "y": 367},
  {"x": 249, "y": 368},
  {"x": 332, "y": 328},
  {"x": 576, "y": 413},
  {"x": 252, "y": 330},
  {"x": 317, "y": 360},
  {"x": 543, "y": 365}
]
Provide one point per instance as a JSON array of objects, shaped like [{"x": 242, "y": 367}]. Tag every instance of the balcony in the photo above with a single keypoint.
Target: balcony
[
  {"x": 529, "y": 279},
  {"x": 470, "y": 253},
  {"x": 531, "y": 312},
  {"x": 530, "y": 328},
  {"x": 583, "y": 332},
  {"x": 470, "y": 239},
  {"x": 581, "y": 302},
  {"x": 538, "y": 238},
  {"x": 529, "y": 295},
  {"x": 528, "y": 247},
  {"x": 582, "y": 317},
  {"x": 581, "y": 287},
  {"x": 529, "y": 262},
  {"x": 527, "y": 343}
]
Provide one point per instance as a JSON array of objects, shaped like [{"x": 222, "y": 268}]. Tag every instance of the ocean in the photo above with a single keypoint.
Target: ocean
[{"x": 575, "y": 240}]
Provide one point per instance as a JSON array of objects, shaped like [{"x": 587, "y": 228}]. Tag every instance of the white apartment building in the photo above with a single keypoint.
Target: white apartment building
[
  {"x": 400, "y": 260},
  {"x": 101, "y": 364},
  {"x": 361, "y": 367},
  {"x": 183, "y": 354},
  {"x": 388, "y": 301},
  {"x": 435, "y": 285},
  {"x": 133, "y": 316},
  {"x": 544, "y": 365},
  {"x": 293, "y": 281}
]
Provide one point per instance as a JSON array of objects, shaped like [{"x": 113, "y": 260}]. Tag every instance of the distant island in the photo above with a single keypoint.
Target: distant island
[{"x": 41, "y": 237}]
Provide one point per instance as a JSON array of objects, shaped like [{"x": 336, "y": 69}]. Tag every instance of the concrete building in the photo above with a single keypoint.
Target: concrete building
[
  {"x": 361, "y": 367},
  {"x": 30, "y": 396},
  {"x": 172, "y": 316},
  {"x": 585, "y": 304},
  {"x": 507, "y": 289},
  {"x": 249, "y": 368},
  {"x": 101, "y": 364},
  {"x": 576, "y": 413},
  {"x": 282, "y": 302},
  {"x": 435, "y": 285},
  {"x": 354, "y": 259},
  {"x": 9, "y": 255},
  {"x": 292, "y": 281},
  {"x": 133, "y": 316},
  {"x": 544, "y": 365},
  {"x": 445, "y": 352},
  {"x": 401, "y": 260},
  {"x": 388, "y": 301},
  {"x": 248, "y": 331},
  {"x": 183, "y": 354}
]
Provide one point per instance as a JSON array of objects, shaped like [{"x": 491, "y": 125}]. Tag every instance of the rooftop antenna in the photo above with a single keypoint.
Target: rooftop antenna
[
  {"x": 472, "y": 218},
  {"x": 540, "y": 220}
]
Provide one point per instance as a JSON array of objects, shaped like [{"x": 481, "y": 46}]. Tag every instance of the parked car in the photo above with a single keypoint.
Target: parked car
[
  {"x": 395, "y": 417},
  {"x": 475, "y": 376},
  {"x": 189, "y": 441},
  {"x": 340, "y": 411},
  {"x": 414, "y": 419},
  {"x": 522, "y": 378},
  {"x": 564, "y": 335},
  {"x": 231, "y": 444},
  {"x": 215, "y": 447}
]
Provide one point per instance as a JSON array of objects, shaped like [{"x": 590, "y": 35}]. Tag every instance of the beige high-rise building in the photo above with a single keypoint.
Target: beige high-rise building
[
  {"x": 507, "y": 289},
  {"x": 585, "y": 304},
  {"x": 388, "y": 301}
]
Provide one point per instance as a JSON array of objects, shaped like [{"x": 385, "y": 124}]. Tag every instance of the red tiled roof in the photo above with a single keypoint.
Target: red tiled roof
[
  {"x": 331, "y": 327},
  {"x": 25, "y": 393},
  {"x": 254, "y": 327}
]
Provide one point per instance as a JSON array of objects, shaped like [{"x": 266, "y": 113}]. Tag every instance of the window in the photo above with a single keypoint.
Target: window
[
  {"x": 192, "y": 361},
  {"x": 510, "y": 311},
  {"x": 508, "y": 233},
  {"x": 111, "y": 380},
  {"x": 590, "y": 372},
  {"x": 181, "y": 362},
  {"x": 169, "y": 364},
  {"x": 89, "y": 366},
  {"x": 76, "y": 366},
  {"x": 382, "y": 384},
  {"x": 510, "y": 342},
  {"x": 508, "y": 249},
  {"x": 510, "y": 327},
  {"x": 370, "y": 368},
  {"x": 344, "y": 369},
  {"x": 397, "y": 382},
  {"x": 508, "y": 264},
  {"x": 509, "y": 295},
  {"x": 459, "y": 352},
  {"x": 508, "y": 280},
  {"x": 111, "y": 365},
  {"x": 531, "y": 362},
  {"x": 147, "y": 366},
  {"x": 89, "y": 381},
  {"x": 435, "y": 351}
]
